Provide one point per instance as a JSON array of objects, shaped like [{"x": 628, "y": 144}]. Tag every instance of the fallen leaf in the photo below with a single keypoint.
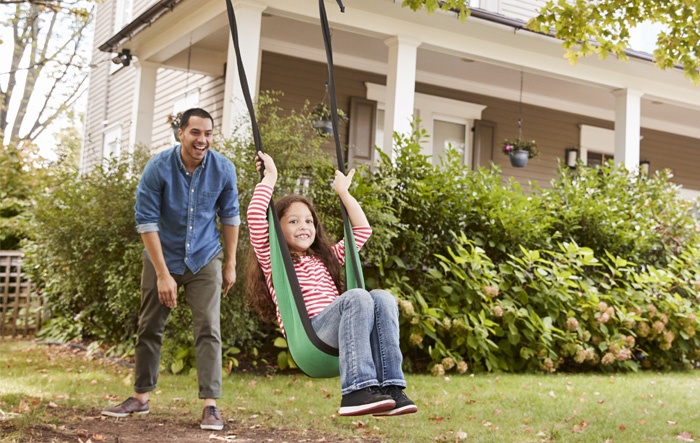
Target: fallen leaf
[
  {"x": 642, "y": 422},
  {"x": 579, "y": 427},
  {"x": 623, "y": 427},
  {"x": 685, "y": 436},
  {"x": 52, "y": 405},
  {"x": 461, "y": 435},
  {"x": 552, "y": 394},
  {"x": 497, "y": 412},
  {"x": 486, "y": 423},
  {"x": 672, "y": 423}
]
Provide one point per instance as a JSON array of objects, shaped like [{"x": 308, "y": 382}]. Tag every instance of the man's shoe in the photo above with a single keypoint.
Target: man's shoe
[
  {"x": 126, "y": 408},
  {"x": 211, "y": 419},
  {"x": 365, "y": 401},
  {"x": 404, "y": 405}
]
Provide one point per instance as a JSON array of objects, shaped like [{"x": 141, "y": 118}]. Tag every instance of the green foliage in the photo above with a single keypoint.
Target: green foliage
[
  {"x": 615, "y": 210},
  {"x": 423, "y": 203},
  {"x": 20, "y": 174},
  {"x": 85, "y": 253},
  {"x": 605, "y": 29},
  {"x": 553, "y": 310},
  {"x": 461, "y": 6}
]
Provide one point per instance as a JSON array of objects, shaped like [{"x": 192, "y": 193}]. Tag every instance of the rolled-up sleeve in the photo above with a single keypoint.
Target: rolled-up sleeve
[
  {"x": 229, "y": 210},
  {"x": 148, "y": 200}
]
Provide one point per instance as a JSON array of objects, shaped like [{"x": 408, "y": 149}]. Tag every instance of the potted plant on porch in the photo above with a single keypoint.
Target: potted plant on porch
[{"x": 519, "y": 151}]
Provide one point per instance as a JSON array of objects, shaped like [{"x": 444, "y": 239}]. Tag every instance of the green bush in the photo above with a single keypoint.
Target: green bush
[{"x": 553, "y": 310}]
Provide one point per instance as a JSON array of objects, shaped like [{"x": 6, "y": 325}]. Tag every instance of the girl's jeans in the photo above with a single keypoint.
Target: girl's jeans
[{"x": 364, "y": 326}]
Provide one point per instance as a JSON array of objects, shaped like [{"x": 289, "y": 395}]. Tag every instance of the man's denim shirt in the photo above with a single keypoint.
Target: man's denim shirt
[{"x": 182, "y": 207}]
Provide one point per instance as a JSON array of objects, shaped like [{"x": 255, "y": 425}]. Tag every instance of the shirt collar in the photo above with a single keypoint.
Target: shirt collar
[{"x": 178, "y": 155}]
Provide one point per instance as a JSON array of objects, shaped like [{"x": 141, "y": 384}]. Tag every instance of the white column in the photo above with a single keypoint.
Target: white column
[
  {"x": 400, "y": 88},
  {"x": 628, "y": 104},
  {"x": 249, "y": 23},
  {"x": 143, "y": 104}
]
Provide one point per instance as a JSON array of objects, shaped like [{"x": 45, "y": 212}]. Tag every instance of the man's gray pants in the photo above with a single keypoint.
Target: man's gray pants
[{"x": 203, "y": 292}]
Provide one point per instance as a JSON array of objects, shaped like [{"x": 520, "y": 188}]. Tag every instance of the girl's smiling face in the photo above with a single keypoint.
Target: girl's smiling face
[{"x": 298, "y": 228}]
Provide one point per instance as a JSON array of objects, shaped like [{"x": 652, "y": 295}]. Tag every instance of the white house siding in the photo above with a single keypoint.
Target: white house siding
[
  {"x": 172, "y": 83},
  {"x": 108, "y": 93},
  {"x": 140, "y": 6},
  {"x": 521, "y": 9}
]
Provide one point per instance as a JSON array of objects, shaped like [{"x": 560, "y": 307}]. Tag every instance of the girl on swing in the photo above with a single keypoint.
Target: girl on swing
[{"x": 363, "y": 325}]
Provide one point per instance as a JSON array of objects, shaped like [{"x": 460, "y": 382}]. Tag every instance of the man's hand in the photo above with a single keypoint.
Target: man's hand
[
  {"x": 229, "y": 277},
  {"x": 167, "y": 291}
]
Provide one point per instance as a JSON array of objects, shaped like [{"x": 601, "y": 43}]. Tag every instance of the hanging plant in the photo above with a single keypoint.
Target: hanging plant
[
  {"x": 174, "y": 121},
  {"x": 518, "y": 149}
]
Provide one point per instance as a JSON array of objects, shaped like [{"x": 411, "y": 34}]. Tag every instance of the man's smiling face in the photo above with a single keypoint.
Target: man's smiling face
[{"x": 196, "y": 139}]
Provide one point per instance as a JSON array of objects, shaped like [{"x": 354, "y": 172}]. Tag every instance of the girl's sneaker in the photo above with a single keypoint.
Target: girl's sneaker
[
  {"x": 365, "y": 401},
  {"x": 404, "y": 405}
]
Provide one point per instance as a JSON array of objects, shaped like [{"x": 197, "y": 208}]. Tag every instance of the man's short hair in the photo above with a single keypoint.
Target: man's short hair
[{"x": 194, "y": 112}]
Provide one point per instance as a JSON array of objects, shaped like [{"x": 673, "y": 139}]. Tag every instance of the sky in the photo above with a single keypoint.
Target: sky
[{"x": 46, "y": 141}]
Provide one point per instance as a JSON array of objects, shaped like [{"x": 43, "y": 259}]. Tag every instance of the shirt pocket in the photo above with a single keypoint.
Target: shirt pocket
[{"x": 208, "y": 201}]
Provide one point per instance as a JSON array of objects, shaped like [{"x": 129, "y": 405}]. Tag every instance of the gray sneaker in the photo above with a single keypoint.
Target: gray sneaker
[
  {"x": 211, "y": 419},
  {"x": 126, "y": 408}
]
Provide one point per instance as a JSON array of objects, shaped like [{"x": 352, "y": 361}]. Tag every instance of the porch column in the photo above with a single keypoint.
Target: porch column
[
  {"x": 249, "y": 23},
  {"x": 627, "y": 127},
  {"x": 400, "y": 88},
  {"x": 143, "y": 104}
]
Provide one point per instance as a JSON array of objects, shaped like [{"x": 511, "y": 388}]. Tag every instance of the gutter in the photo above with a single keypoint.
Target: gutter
[
  {"x": 519, "y": 25},
  {"x": 142, "y": 21}
]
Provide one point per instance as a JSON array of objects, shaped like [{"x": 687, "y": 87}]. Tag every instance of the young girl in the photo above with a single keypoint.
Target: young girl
[{"x": 363, "y": 325}]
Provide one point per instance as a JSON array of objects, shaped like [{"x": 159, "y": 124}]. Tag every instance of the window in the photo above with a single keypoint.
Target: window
[
  {"x": 448, "y": 122},
  {"x": 111, "y": 144},
  {"x": 597, "y": 145}
]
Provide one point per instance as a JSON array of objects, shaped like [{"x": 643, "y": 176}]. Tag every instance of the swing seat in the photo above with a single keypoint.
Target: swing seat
[{"x": 314, "y": 357}]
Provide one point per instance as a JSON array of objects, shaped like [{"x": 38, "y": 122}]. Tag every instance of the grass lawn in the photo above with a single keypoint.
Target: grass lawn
[{"x": 46, "y": 388}]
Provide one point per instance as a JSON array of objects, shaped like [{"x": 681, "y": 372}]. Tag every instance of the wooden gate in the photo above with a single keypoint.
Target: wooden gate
[{"x": 21, "y": 305}]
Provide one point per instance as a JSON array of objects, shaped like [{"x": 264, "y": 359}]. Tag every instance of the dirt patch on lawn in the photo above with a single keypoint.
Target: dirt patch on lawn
[{"x": 89, "y": 426}]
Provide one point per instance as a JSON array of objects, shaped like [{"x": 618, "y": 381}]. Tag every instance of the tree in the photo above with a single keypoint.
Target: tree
[
  {"x": 45, "y": 75},
  {"x": 603, "y": 27}
]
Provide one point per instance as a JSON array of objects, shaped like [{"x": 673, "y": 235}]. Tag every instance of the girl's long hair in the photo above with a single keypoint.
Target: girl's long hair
[{"x": 258, "y": 295}]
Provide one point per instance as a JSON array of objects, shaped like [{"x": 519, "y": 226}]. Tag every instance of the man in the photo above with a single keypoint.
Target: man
[{"x": 180, "y": 193}]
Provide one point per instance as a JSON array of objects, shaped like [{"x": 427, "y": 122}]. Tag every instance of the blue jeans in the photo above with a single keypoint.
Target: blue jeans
[{"x": 364, "y": 326}]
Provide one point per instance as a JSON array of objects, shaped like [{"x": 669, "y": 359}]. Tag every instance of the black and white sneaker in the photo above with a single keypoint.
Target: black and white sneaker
[
  {"x": 404, "y": 405},
  {"x": 365, "y": 401}
]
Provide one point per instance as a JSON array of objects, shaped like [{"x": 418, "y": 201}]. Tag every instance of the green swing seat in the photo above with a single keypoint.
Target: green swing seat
[{"x": 315, "y": 358}]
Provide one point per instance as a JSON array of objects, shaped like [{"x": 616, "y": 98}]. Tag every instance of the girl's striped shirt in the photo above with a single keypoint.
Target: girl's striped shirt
[{"x": 316, "y": 283}]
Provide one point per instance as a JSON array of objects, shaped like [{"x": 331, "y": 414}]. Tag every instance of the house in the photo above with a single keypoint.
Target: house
[{"x": 469, "y": 82}]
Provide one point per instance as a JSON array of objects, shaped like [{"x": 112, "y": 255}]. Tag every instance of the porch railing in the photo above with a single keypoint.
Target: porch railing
[{"x": 21, "y": 304}]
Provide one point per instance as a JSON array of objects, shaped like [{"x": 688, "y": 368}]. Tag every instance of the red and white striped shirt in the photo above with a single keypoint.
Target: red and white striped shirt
[{"x": 316, "y": 283}]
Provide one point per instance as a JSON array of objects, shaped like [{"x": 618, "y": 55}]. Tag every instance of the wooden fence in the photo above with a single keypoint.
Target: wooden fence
[{"x": 21, "y": 305}]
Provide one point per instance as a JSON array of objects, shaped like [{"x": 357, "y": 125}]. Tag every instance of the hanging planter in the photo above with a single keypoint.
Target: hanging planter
[
  {"x": 519, "y": 151},
  {"x": 324, "y": 127}
]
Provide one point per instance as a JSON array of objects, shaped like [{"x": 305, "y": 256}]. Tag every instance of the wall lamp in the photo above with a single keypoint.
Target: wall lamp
[
  {"x": 123, "y": 58},
  {"x": 644, "y": 166},
  {"x": 571, "y": 157}
]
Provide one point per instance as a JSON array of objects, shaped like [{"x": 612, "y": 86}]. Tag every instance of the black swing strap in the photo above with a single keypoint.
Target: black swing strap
[
  {"x": 351, "y": 255},
  {"x": 288, "y": 264}
]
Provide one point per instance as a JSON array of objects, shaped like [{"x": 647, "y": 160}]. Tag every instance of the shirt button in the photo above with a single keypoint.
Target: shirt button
[
  {"x": 193, "y": 190},
  {"x": 191, "y": 209},
  {"x": 190, "y": 228}
]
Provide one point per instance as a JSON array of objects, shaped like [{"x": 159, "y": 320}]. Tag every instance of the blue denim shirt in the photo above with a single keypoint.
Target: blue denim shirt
[{"x": 182, "y": 207}]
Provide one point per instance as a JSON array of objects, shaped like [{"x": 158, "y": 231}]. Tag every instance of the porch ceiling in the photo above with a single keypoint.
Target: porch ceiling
[{"x": 365, "y": 50}]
